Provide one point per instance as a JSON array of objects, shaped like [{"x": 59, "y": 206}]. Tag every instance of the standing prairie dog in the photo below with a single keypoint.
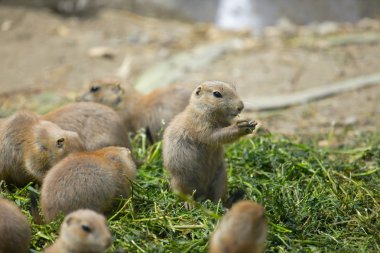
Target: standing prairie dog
[
  {"x": 242, "y": 230},
  {"x": 193, "y": 142},
  {"x": 30, "y": 146},
  {"x": 15, "y": 231},
  {"x": 97, "y": 125},
  {"x": 152, "y": 111},
  {"x": 87, "y": 180},
  {"x": 82, "y": 231}
]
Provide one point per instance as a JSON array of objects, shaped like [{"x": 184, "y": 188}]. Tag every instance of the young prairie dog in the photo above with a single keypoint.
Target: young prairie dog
[
  {"x": 242, "y": 230},
  {"x": 87, "y": 180},
  {"x": 152, "y": 111},
  {"x": 97, "y": 125},
  {"x": 15, "y": 233},
  {"x": 82, "y": 231},
  {"x": 30, "y": 146},
  {"x": 193, "y": 142}
]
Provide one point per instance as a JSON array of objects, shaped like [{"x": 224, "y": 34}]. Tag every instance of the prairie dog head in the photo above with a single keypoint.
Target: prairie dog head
[
  {"x": 108, "y": 92},
  {"x": 219, "y": 99},
  {"x": 242, "y": 229},
  {"x": 50, "y": 144},
  {"x": 85, "y": 231}
]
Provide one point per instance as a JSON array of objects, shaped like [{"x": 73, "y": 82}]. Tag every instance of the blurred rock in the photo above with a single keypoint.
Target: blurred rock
[
  {"x": 368, "y": 23},
  {"x": 105, "y": 52},
  {"x": 6, "y": 25},
  {"x": 350, "y": 120},
  {"x": 287, "y": 27},
  {"x": 327, "y": 28},
  {"x": 235, "y": 14},
  {"x": 63, "y": 31},
  {"x": 190, "y": 10},
  {"x": 72, "y": 7}
]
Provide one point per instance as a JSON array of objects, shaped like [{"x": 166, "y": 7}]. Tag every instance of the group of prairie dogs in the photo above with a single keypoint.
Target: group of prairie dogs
[{"x": 80, "y": 153}]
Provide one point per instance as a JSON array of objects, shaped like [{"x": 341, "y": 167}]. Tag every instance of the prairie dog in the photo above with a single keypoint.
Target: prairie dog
[
  {"x": 31, "y": 146},
  {"x": 82, "y": 231},
  {"x": 87, "y": 180},
  {"x": 97, "y": 125},
  {"x": 193, "y": 142},
  {"x": 15, "y": 233},
  {"x": 242, "y": 230},
  {"x": 152, "y": 111}
]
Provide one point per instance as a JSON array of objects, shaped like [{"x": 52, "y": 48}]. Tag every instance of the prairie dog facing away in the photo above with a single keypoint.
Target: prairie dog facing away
[
  {"x": 193, "y": 142},
  {"x": 15, "y": 233},
  {"x": 152, "y": 111},
  {"x": 98, "y": 126},
  {"x": 82, "y": 231},
  {"x": 242, "y": 230},
  {"x": 87, "y": 180},
  {"x": 30, "y": 146}
]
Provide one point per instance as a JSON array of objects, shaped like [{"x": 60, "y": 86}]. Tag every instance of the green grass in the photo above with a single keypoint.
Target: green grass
[{"x": 316, "y": 199}]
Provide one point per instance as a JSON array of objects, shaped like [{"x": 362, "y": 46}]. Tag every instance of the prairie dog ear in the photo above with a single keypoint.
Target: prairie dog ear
[
  {"x": 60, "y": 142},
  {"x": 198, "y": 90},
  {"x": 113, "y": 157},
  {"x": 68, "y": 220}
]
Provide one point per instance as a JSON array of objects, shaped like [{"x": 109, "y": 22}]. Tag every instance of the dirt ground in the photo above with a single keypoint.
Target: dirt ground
[{"x": 44, "y": 62}]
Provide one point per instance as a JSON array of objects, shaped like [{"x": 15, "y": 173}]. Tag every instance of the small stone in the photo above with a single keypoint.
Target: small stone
[
  {"x": 368, "y": 23},
  {"x": 327, "y": 28},
  {"x": 272, "y": 31},
  {"x": 323, "y": 143},
  {"x": 63, "y": 31},
  {"x": 105, "y": 52},
  {"x": 287, "y": 27},
  {"x": 6, "y": 25},
  {"x": 350, "y": 120}
]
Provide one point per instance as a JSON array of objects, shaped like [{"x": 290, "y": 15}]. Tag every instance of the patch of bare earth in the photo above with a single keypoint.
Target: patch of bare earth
[{"x": 45, "y": 62}]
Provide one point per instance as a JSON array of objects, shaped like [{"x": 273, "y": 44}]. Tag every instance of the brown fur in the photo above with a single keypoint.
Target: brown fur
[
  {"x": 87, "y": 180},
  {"x": 30, "y": 146},
  {"x": 242, "y": 230},
  {"x": 97, "y": 125},
  {"x": 193, "y": 142},
  {"x": 82, "y": 231},
  {"x": 15, "y": 231},
  {"x": 153, "y": 111}
]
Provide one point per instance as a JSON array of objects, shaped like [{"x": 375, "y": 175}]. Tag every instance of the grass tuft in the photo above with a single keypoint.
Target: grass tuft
[{"x": 316, "y": 199}]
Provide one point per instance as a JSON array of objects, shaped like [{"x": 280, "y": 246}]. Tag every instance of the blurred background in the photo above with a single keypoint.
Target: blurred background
[{"x": 271, "y": 49}]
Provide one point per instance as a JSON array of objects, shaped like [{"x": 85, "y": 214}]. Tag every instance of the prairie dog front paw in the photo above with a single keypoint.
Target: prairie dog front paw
[{"x": 246, "y": 126}]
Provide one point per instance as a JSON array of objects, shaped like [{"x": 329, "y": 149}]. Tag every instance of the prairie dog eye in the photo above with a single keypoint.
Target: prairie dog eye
[
  {"x": 86, "y": 228},
  {"x": 95, "y": 88},
  {"x": 60, "y": 142},
  {"x": 217, "y": 94}
]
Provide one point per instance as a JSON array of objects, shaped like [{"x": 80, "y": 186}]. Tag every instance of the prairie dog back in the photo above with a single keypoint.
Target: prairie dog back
[
  {"x": 98, "y": 126},
  {"x": 94, "y": 178},
  {"x": 15, "y": 233}
]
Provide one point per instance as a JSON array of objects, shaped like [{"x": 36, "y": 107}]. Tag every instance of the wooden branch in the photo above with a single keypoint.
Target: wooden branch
[{"x": 303, "y": 97}]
